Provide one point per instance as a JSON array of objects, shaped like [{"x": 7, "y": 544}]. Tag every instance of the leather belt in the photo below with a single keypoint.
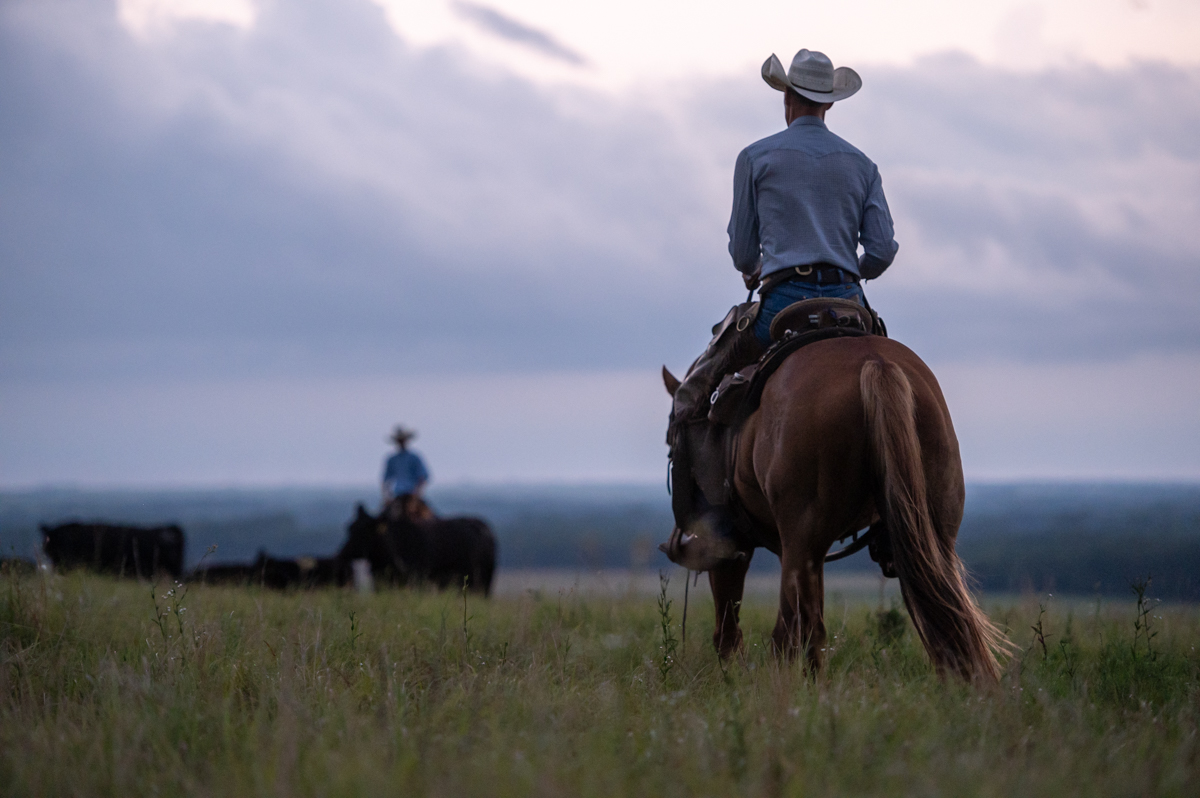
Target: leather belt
[{"x": 815, "y": 274}]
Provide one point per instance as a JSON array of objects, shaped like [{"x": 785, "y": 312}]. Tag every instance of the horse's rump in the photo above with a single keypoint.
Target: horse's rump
[{"x": 849, "y": 430}]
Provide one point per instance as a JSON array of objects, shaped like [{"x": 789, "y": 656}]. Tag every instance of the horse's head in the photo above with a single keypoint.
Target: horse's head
[
  {"x": 379, "y": 540},
  {"x": 49, "y": 542},
  {"x": 361, "y": 536},
  {"x": 698, "y": 542}
]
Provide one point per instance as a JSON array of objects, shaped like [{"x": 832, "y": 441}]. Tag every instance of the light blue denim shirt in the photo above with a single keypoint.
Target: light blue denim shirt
[
  {"x": 807, "y": 196},
  {"x": 404, "y": 472}
]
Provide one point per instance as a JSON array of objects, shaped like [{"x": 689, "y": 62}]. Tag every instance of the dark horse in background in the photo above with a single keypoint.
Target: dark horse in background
[
  {"x": 850, "y": 432},
  {"x": 446, "y": 552},
  {"x": 402, "y": 548}
]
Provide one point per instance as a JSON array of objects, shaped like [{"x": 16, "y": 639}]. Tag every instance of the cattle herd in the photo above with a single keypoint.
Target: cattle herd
[{"x": 390, "y": 548}]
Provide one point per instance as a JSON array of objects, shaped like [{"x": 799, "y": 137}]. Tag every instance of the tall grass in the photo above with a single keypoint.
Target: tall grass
[{"x": 337, "y": 693}]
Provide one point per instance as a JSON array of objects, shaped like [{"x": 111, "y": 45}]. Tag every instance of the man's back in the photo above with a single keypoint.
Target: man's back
[
  {"x": 404, "y": 472},
  {"x": 806, "y": 196}
]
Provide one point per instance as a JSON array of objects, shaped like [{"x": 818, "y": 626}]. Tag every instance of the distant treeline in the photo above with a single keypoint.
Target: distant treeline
[
  {"x": 1086, "y": 561},
  {"x": 1082, "y": 539}
]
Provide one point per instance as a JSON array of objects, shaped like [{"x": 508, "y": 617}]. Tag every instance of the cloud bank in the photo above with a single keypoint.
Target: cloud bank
[{"x": 312, "y": 199}]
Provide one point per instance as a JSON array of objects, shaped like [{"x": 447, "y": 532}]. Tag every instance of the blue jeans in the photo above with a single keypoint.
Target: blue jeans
[{"x": 792, "y": 291}]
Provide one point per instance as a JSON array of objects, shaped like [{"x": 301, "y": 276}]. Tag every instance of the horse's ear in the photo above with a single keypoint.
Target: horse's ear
[
  {"x": 362, "y": 513},
  {"x": 670, "y": 381}
]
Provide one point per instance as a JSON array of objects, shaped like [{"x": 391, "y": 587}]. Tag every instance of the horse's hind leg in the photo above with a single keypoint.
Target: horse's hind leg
[
  {"x": 801, "y": 619},
  {"x": 728, "y": 581}
]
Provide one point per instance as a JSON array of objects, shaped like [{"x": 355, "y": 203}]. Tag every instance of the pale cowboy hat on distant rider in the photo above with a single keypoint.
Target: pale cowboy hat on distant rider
[{"x": 402, "y": 435}]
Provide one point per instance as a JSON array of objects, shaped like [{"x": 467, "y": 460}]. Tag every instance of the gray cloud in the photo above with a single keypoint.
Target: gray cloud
[
  {"x": 313, "y": 204},
  {"x": 316, "y": 198},
  {"x": 509, "y": 29}
]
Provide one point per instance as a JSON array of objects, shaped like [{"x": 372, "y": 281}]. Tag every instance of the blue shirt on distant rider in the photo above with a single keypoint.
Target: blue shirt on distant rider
[
  {"x": 404, "y": 472},
  {"x": 806, "y": 196}
]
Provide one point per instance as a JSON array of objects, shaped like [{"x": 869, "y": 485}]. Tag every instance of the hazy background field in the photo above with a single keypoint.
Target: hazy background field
[{"x": 1082, "y": 539}]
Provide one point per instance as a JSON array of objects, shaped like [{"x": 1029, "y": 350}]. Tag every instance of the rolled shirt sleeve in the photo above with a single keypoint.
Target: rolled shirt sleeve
[
  {"x": 876, "y": 233},
  {"x": 744, "y": 242}
]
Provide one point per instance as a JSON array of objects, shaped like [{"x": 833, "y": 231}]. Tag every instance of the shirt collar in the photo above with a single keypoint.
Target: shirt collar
[{"x": 807, "y": 120}]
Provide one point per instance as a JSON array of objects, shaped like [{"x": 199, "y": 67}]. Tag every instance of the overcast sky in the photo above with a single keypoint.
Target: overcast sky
[{"x": 238, "y": 241}]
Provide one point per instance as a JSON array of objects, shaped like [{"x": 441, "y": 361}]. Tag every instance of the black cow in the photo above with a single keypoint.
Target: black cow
[
  {"x": 121, "y": 550},
  {"x": 273, "y": 572},
  {"x": 441, "y": 551}
]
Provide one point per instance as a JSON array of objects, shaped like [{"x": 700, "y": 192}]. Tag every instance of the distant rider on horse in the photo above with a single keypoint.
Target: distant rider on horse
[
  {"x": 804, "y": 200},
  {"x": 404, "y": 477}
]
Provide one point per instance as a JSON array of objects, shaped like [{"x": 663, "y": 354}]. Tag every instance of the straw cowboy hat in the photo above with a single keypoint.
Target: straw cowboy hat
[
  {"x": 812, "y": 76},
  {"x": 402, "y": 435}
]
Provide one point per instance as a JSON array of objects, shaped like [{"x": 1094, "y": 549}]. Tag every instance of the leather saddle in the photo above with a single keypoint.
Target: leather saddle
[
  {"x": 738, "y": 395},
  {"x": 794, "y": 327},
  {"x": 820, "y": 313}
]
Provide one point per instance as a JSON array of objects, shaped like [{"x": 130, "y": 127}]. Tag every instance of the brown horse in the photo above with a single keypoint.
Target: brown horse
[{"x": 850, "y": 432}]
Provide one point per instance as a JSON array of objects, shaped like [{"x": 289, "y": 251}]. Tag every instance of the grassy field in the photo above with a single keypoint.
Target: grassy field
[{"x": 111, "y": 688}]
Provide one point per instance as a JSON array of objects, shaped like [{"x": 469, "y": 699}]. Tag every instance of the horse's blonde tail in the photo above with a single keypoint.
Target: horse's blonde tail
[{"x": 956, "y": 633}]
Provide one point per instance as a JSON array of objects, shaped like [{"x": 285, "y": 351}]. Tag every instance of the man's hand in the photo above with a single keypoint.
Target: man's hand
[{"x": 751, "y": 281}]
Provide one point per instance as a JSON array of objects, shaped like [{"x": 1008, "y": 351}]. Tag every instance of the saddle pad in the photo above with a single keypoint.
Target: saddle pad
[{"x": 820, "y": 313}]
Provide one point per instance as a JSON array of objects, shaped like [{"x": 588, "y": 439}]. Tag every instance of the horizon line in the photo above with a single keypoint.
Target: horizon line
[{"x": 205, "y": 487}]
